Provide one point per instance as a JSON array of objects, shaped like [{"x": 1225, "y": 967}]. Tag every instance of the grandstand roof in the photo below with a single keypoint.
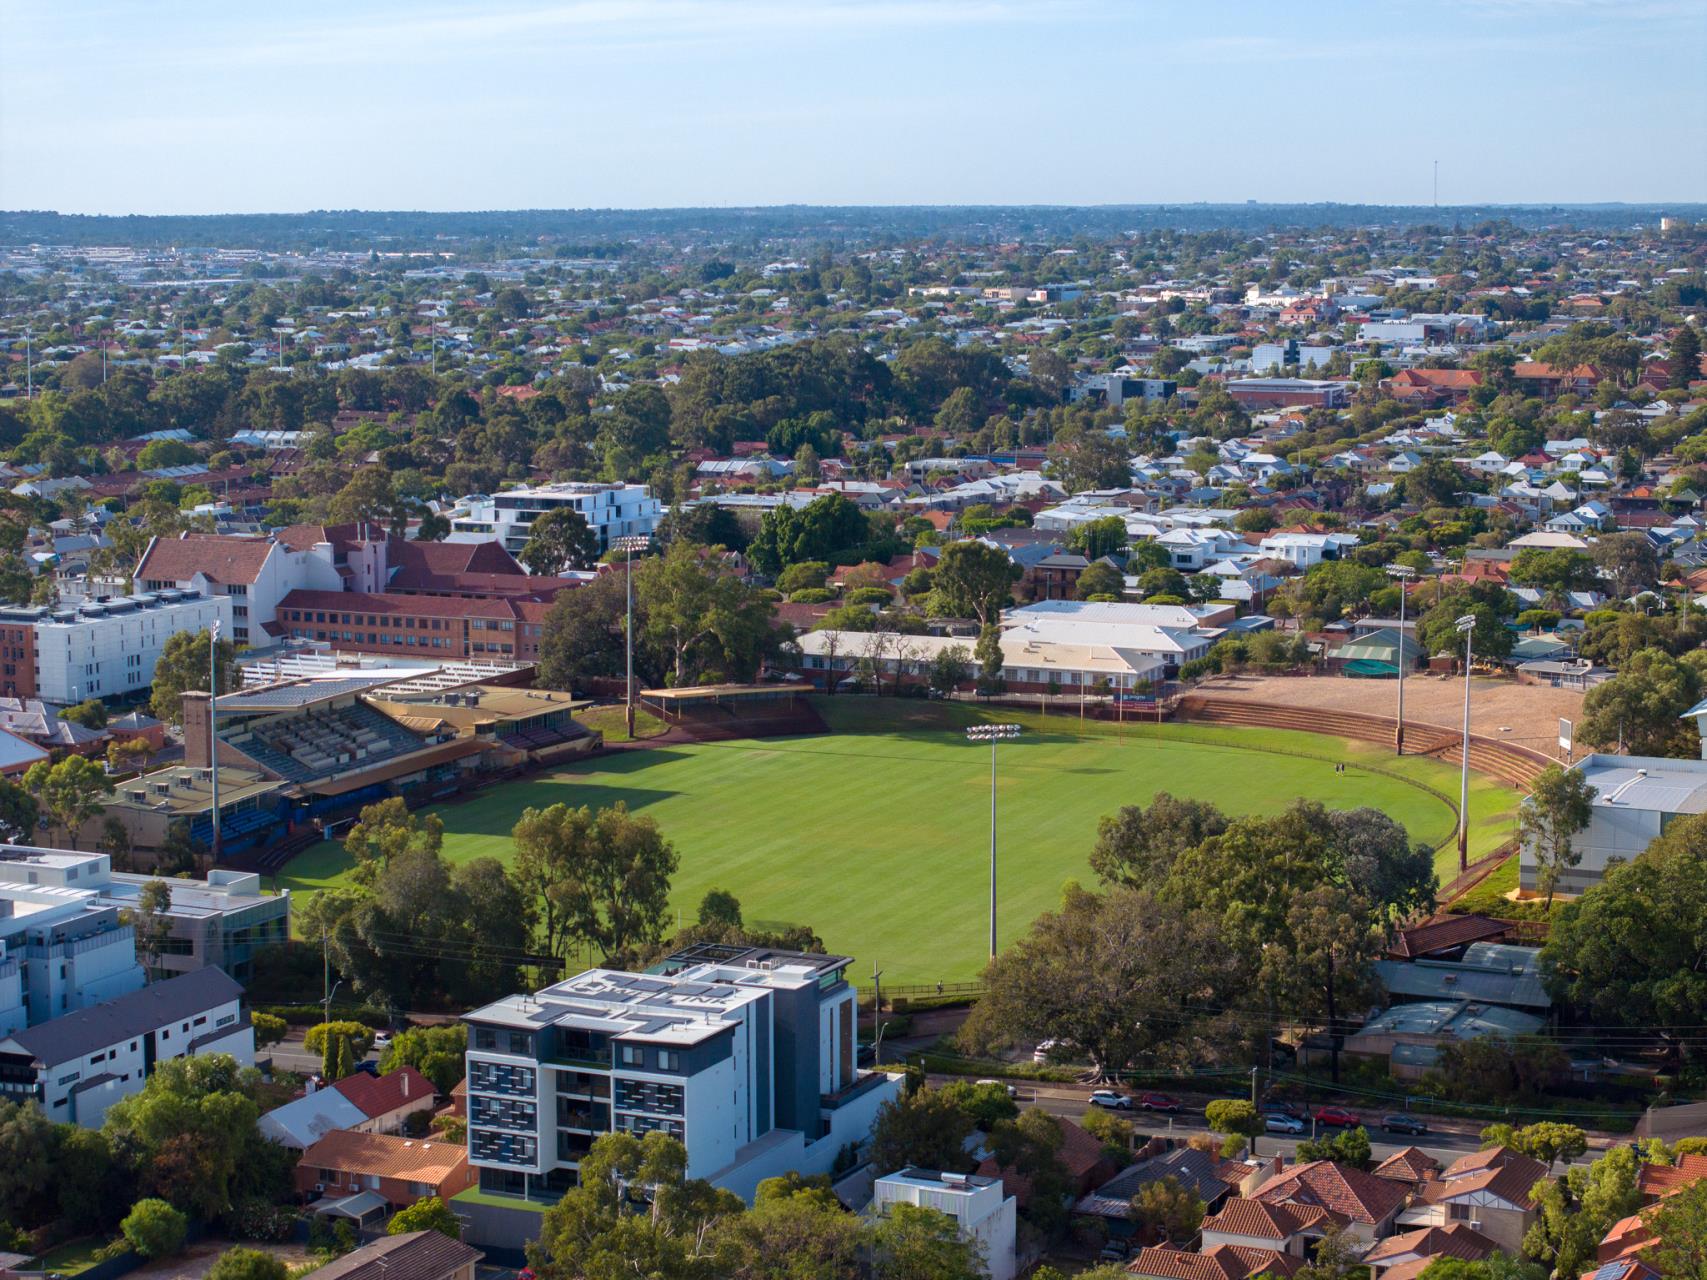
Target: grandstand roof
[
  {"x": 302, "y": 693},
  {"x": 397, "y": 767}
]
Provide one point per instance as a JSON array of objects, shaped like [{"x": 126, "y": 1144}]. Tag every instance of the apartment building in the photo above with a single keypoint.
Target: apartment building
[
  {"x": 220, "y": 921},
  {"x": 747, "y": 1055},
  {"x": 99, "y": 648},
  {"x": 76, "y": 1066},
  {"x": 610, "y": 510},
  {"x": 61, "y": 950}
]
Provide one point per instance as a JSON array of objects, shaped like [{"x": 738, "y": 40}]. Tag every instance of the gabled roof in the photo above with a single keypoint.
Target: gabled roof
[
  {"x": 303, "y": 1121},
  {"x": 1497, "y": 1171},
  {"x": 221, "y": 558},
  {"x": 1663, "y": 1180},
  {"x": 1360, "y": 1196},
  {"x": 381, "y": 1095},
  {"x": 1457, "y": 1240}
]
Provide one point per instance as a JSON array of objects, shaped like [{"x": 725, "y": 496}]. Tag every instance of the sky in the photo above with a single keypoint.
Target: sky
[{"x": 204, "y": 106}]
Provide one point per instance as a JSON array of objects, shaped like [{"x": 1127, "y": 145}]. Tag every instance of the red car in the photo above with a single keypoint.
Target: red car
[
  {"x": 1158, "y": 1102},
  {"x": 1338, "y": 1117}
]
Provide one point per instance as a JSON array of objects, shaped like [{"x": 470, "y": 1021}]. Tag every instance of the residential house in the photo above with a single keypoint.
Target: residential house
[
  {"x": 1369, "y": 1205},
  {"x": 400, "y": 1171},
  {"x": 413, "y": 1255},
  {"x": 1080, "y": 1154},
  {"x": 1487, "y": 1190},
  {"x": 1406, "y": 1256},
  {"x": 1292, "y": 1230},
  {"x": 302, "y": 1122},
  {"x": 387, "y": 1101},
  {"x": 1218, "y": 1262}
]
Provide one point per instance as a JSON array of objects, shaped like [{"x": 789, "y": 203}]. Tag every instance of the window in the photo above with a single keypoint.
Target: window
[
  {"x": 669, "y": 1060},
  {"x": 485, "y": 1038},
  {"x": 633, "y": 1055}
]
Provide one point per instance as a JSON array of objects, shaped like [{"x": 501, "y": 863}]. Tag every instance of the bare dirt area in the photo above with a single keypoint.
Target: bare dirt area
[
  {"x": 198, "y": 1258},
  {"x": 1526, "y": 714}
]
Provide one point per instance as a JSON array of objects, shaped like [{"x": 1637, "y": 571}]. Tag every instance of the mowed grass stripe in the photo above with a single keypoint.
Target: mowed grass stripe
[{"x": 880, "y": 840}]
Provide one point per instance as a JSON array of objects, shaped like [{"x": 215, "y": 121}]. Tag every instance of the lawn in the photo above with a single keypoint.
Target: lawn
[
  {"x": 877, "y": 835},
  {"x": 71, "y": 1258}
]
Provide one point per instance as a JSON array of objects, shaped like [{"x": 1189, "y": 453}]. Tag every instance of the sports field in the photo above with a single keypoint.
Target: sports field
[{"x": 877, "y": 835}]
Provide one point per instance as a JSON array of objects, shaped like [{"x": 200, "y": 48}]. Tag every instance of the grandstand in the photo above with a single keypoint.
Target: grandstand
[
  {"x": 325, "y": 737},
  {"x": 539, "y": 722}
]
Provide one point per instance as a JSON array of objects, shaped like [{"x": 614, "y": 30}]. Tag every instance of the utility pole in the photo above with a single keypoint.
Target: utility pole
[{"x": 876, "y": 1014}]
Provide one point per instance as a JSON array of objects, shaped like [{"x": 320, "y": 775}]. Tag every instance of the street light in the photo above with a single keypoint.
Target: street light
[
  {"x": 628, "y": 545},
  {"x": 1466, "y": 625},
  {"x": 213, "y": 729},
  {"x": 1404, "y": 575},
  {"x": 992, "y": 733}
]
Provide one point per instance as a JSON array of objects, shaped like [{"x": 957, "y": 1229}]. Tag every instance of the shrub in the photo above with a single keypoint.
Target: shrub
[
  {"x": 812, "y": 595},
  {"x": 256, "y": 1218},
  {"x": 247, "y": 1264},
  {"x": 869, "y": 595},
  {"x": 427, "y": 1214},
  {"x": 154, "y": 1228}
]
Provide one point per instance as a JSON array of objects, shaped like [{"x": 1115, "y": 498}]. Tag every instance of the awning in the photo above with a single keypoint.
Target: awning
[
  {"x": 1369, "y": 667},
  {"x": 416, "y": 761},
  {"x": 359, "y": 1207}
]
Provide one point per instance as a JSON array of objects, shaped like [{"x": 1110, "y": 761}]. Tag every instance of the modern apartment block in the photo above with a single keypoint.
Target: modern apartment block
[
  {"x": 99, "y": 648},
  {"x": 610, "y": 510},
  {"x": 747, "y": 1055}
]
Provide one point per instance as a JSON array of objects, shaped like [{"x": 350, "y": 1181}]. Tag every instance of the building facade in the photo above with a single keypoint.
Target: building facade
[
  {"x": 746, "y": 1055},
  {"x": 100, "y": 648},
  {"x": 610, "y": 510},
  {"x": 981, "y": 1209}
]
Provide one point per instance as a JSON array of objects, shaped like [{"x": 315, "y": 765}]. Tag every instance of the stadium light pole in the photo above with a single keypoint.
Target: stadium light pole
[
  {"x": 1466, "y": 625},
  {"x": 628, "y": 545},
  {"x": 1404, "y": 576},
  {"x": 992, "y": 733},
  {"x": 213, "y": 727}
]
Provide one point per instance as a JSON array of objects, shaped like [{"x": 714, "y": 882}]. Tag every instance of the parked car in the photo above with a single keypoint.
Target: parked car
[
  {"x": 1336, "y": 1117},
  {"x": 1401, "y": 1122},
  {"x": 1110, "y": 1098},
  {"x": 1158, "y": 1102},
  {"x": 382, "y": 1041},
  {"x": 1001, "y": 1084},
  {"x": 1114, "y": 1251},
  {"x": 1280, "y": 1108},
  {"x": 1274, "y": 1122}
]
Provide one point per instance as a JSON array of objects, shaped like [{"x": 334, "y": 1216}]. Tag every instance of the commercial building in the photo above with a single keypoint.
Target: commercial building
[
  {"x": 78, "y": 1065},
  {"x": 1276, "y": 393},
  {"x": 1635, "y": 799},
  {"x": 747, "y": 1055},
  {"x": 251, "y": 804},
  {"x": 100, "y": 648},
  {"x": 425, "y": 626},
  {"x": 610, "y": 510},
  {"x": 981, "y": 1209}
]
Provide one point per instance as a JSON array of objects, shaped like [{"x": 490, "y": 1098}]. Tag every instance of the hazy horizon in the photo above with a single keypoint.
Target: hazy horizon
[{"x": 196, "y": 108}]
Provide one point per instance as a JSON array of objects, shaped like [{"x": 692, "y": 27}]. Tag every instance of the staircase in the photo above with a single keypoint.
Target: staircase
[{"x": 1513, "y": 765}]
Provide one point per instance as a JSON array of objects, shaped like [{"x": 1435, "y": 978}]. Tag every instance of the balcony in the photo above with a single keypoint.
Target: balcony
[{"x": 859, "y": 1088}]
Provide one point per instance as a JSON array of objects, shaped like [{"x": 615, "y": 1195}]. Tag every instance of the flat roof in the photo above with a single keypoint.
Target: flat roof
[
  {"x": 1651, "y": 783},
  {"x": 710, "y": 692},
  {"x": 299, "y": 693},
  {"x": 189, "y": 792}
]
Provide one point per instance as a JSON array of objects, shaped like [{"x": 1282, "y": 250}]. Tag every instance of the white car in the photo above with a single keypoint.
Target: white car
[
  {"x": 1282, "y": 1124},
  {"x": 1000, "y": 1084},
  {"x": 1043, "y": 1050},
  {"x": 1110, "y": 1099},
  {"x": 382, "y": 1041}
]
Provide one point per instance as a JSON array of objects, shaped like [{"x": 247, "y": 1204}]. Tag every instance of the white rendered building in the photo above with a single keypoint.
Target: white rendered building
[
  {"x": 105, "y": 648},
  {"x": 610, "y": 510},
  {"x": 978, "y": 1206}
]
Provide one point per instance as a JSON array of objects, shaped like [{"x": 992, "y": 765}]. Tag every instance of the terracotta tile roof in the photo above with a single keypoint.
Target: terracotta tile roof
[
  {"x": 1444, "y": 934},
  {"x": 384, "y": 1156},
  {"x": 1411, "y": 1165},
  {"x": 1224, "y": 1262},
  {"x": 1459, "y": 1240},
  {"x": 414, "y": 1255},
  {"x": 1497, "y": 1171},
  {"x": 1360, "y": 1196},
  {"x": 1662, "y": 1180},
  {"x": 1080, "y": 1155},
  {"x": 222, "y": 558},
  {"x": 1269, "y": 1221},
  {"x": 378, "y": 1096}
]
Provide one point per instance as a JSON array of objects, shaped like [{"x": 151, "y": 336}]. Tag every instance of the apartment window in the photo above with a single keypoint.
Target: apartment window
[
  {"x": 669, "y": 1060},
  {"x": 485, "y": 1038},
  {"x": 633, "y": 1055}
]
